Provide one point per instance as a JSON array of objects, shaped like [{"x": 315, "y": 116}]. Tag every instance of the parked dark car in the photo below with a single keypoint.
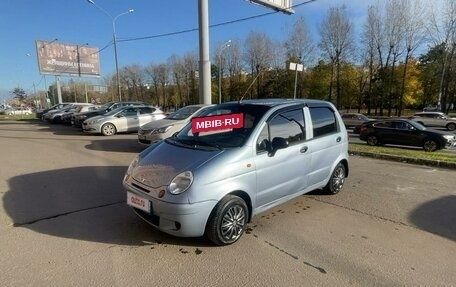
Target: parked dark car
[
  {"x": 79, "y": 118},
  {"x": 355, "y": 120},
  {"x": 41, "y": 112},
  {"x": 405, "y": 132}
]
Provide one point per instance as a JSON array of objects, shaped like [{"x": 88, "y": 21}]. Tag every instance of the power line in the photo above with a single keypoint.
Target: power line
[{"x": 212, "y": 26}]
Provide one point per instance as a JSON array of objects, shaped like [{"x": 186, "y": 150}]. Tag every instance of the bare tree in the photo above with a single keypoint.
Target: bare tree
[
  {"x": 394, "y": 29},
  {"x": 153, "y": 72},
  {"x": 442, "y": 27},
  {"x": 191, "y": 82},
  {"x": 369, "y": 37},
  {"x": 258, "y": 56},
  {"x": 413, "y": 35},
  {"x": 299, "y": 45},
  {"x": 234, "y": 62},
  {"x": 337, "y": 43},
  {"x": 178, "y": 73},
  {"x": 133, "y": 78},
  {"x": 299, "y": 48}
]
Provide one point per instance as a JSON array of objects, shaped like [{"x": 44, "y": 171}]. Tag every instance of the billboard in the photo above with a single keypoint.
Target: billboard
[
  {"x": 67, "y": 59},
  {"x": 278, "y": 5}
]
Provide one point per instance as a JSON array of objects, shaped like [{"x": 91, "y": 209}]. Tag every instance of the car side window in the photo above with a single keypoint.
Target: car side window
[
  {"x": 288, "y": 125},
  {"x": 383, "y": 125},
  {"x": 129, "y": 112},
  {"x": 400, "y": 125},
  {"x": 323, "y": 120},
  {"x": 143, "y": 111}
]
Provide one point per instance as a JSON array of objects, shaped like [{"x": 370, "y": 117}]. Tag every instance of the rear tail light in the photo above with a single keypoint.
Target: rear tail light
[{"x": 362, "y": 129}]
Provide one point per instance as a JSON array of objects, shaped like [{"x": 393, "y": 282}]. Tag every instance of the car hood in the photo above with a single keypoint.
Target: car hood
[
  {"x": 161, "y": 123},
  {"x": 102, "y": 117},
  {"x": 443, "y": 133},
  {"x": 160, "y": 163},
  {"x": 92, "y": 113}
]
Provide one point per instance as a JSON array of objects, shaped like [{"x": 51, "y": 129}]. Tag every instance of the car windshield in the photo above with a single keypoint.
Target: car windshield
[
  {"x": 205, "y": 131},
  {"x": 105, "y": 106},
  {"x": 183, "y": 113},
  {"x": 417, "y": 125}
]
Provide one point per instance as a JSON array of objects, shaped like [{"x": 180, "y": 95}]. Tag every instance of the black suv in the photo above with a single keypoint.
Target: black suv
[{"x": 78, "y": 118}]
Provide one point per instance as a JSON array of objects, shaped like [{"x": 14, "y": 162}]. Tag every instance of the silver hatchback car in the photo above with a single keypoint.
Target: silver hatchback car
[{"x": 234, "y": 161}]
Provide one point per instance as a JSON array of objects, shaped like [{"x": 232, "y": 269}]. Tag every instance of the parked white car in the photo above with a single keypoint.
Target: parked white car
[
  {"x": 18, "y": 111},
  {"x": 124, "y": 119},
  {"x": 164, "y": 128}
]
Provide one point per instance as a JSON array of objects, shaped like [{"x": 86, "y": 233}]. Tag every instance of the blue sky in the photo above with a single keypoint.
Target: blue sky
[{"x": 79, "y": 22}]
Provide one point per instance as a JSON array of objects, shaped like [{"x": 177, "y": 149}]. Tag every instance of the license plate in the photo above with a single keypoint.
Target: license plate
[{"x": 138, "y": 202}]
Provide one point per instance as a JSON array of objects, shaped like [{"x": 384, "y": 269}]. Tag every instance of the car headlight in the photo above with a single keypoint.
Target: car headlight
[
  {"x": 449, "y": 137},
  {"x": 181, "y": 182},
  {"x": 131, "y": 167},
  {"x": 161, "y": 130},
  {"x": 91, "y": 122}
]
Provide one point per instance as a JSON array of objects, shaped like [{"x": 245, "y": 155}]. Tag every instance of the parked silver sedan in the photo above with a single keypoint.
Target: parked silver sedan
[
  {"x": 164, "y": 128},
  {"x": 124, "y": 119},
  {"x": 435, "y": 120}
]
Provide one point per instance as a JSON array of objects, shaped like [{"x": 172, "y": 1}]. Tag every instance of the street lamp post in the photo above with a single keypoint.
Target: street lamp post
[
  {"x": 224, "y": 46},
  {"x": 113, "y": 20}
]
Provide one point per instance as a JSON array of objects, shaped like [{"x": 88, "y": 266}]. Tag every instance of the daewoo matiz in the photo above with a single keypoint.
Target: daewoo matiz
[{"x": 234, "y": 161}]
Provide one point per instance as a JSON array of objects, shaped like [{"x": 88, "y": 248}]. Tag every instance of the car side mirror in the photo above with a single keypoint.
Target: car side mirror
[{"x": 277, "y": 143}]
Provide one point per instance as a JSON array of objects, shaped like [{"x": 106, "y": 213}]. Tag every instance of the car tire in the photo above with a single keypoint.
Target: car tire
[
  {"x": 227, "y": 221},
  {"x": 56, "y": 120},
  {"x": 430, "y": 145},
  {"x": 108, "y": 129},
  {"x": 336, "y": 181},
  {"x": 451, "y": 126},
  {"x": 373, "y": 140}
]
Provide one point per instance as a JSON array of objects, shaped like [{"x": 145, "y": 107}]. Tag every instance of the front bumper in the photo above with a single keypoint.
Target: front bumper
[
  {"x": 90, "y": 129},
  {"x": 145, "y": 137},
  {"x": 177, "y": 219}
]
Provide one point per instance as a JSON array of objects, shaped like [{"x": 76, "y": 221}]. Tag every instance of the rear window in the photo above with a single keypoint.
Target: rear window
[{"x": 323, "y": 120}]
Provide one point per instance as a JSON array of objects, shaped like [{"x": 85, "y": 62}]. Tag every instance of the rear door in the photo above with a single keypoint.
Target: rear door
[
  {"x": 145, "y": 116},
  {"x": 326, "y": 145}
]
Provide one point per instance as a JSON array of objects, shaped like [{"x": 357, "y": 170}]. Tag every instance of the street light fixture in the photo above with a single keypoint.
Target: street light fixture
[
  {"x": 224, "y": 46},
  {"x": 113, "y": 20}
]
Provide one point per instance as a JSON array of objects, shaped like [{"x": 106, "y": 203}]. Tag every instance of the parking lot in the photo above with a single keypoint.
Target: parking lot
[{"x": 64, "y": 222}]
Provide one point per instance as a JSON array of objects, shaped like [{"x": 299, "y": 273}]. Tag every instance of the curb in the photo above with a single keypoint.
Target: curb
[{"x": 427, "y": 162}]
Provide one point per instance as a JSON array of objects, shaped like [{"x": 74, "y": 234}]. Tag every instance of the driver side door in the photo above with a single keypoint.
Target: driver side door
[{"x": 284, "y": 173}]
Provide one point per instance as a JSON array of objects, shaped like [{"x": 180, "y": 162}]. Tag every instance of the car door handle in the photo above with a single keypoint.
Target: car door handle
[
  {"x": 338, "y": 139},
  {"x": 303, "y": 149}
]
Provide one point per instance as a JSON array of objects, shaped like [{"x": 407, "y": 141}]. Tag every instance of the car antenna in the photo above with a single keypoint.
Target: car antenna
[{"x": 240, "y": 100}]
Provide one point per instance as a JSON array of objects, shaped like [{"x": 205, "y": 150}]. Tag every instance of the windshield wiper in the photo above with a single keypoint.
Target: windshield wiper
[{"x": 199, "y": 143}]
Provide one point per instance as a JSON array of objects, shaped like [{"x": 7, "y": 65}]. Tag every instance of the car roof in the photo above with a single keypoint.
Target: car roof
[
  {"x": 429, "y": 113},
  {"x": 277, "y": 102}
]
